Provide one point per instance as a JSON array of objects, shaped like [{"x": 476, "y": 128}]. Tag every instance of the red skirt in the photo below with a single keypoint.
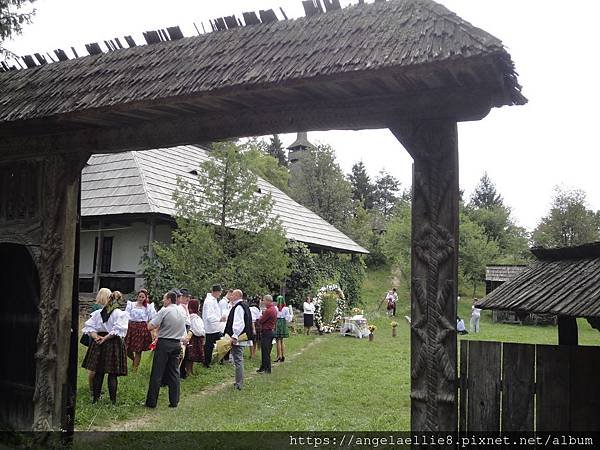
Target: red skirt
[
  {"x": 138, "y": 337},
  {"x": 195, "y": 349}
]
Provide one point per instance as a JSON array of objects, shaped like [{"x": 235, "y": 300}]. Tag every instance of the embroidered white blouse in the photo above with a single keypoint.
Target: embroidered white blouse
[
  {"x": 140, "y": 314},
  {"x": 116, "y": 324},
  {"x": 197, "y": 325},
  {"x": 284, "y": 314},
  {"x": 255, "y": 313}
]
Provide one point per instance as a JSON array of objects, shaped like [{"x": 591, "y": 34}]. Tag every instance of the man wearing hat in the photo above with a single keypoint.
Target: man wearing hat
[{"x": 213, "y": 321}]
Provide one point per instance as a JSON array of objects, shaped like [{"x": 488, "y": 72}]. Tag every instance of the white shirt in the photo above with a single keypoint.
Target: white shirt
[
  {"x": 460, "y": 325},
  {"x": 211, "y": 315},
  {"x": 255, "y": 313},
  {"x": 140, "y": 313},
  {"x": 476, "y": 312},
  {"x": 309, "y": 308},
  {"x": 225, "y": 306},
  {"x": 284, "y": 314},
  {"x": 197, "y": 325},
  {"x": 238, "y": 325},
  {"x": 116, "y": 324},
  {"x": 185, "y": 313}
]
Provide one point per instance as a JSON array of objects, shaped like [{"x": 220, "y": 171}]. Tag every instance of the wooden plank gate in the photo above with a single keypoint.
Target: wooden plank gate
[{"x": 526, "y": 387}]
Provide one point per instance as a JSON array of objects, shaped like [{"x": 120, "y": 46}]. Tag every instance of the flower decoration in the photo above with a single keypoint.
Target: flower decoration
[
  {"x": 357, "y": 311},
  {"x": 340, "y": 308},
  {"x": 394, "y": 324},
  {"x": 372, "y": 328}
]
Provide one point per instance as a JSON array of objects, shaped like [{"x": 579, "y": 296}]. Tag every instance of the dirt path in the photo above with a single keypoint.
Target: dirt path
[{"x": 137, "y": 423}]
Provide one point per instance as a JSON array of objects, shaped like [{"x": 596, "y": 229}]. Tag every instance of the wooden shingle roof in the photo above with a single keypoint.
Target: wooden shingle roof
[
  {"x": 418, "y": 43},
  {"x": 563, "y": 281},
  {"x": 142, "y": 182}
]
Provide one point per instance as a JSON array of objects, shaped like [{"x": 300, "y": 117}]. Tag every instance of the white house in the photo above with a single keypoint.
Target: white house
[{"x": 126, "y": 203}]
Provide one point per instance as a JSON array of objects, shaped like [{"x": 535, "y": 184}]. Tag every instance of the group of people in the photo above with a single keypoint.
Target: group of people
[
  {"x": 474, "y": 323},
  {"x": 180, "y": 336}
]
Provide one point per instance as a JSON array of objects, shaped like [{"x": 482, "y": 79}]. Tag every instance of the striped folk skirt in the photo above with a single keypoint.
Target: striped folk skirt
[
  {"x": 108, "y": 357},
  {"x": 138, "y": 337},
  {"x": 281, "y": 329},
  {"x": 195, "y": 349}
]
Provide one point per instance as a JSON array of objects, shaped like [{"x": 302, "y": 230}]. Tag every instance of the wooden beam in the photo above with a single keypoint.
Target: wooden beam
[
  {"x": 348, "y": 114},
  {"x": 567, "y": 331},
  {"x": 433, "y": 146},
  {"x": 98, "y": 270}
]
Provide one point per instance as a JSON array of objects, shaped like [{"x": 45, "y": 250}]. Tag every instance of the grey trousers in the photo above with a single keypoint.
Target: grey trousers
[
  {"x": 165, "y": 366},
  {"x": 238, "y": 361}
]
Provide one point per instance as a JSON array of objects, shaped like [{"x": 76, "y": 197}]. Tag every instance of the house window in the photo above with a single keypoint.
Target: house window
[{"x": 107, "y": 243}]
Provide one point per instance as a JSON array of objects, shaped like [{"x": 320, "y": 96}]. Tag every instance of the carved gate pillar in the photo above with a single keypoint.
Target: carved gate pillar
[
  {"x": 434, "y": 283},
  {"x": 39, "y": 206}
]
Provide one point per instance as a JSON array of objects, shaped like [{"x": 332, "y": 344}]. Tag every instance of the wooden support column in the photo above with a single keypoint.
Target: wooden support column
[
  {"x": 567, "y": 331},
  {"x": 433, "y": 146},
  {"x": 99, "y": 249}
]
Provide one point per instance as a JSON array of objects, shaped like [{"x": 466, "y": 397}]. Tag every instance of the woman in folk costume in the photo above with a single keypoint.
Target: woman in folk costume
[
  {"x": 101, "y": 300},
  {"x": 255, "y": 312},
  {"x": 281, "y": 327},
  {"x": 195, "y": 347},
  {"x": 106, "y": 353},
  {"x": 138, "y": 337}
]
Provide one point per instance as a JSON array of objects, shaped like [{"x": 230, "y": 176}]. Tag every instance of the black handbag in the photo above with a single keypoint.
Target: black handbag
[{"x": 85, "y": 340}]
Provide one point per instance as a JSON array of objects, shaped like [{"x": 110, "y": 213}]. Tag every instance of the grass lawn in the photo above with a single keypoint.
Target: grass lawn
[{"x": 327, "y": 382}]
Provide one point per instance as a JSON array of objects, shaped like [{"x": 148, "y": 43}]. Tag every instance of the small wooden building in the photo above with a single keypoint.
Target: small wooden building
[
  {"x": 534, "y": 387},
  {"x": 494, "y": 277}
]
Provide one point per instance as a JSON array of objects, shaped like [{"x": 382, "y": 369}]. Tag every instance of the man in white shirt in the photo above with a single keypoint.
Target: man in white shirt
[
  {"x": 213, "y": 322},
  {"x": 238, "y": 323},
  {"x": 225, "y": 304}
]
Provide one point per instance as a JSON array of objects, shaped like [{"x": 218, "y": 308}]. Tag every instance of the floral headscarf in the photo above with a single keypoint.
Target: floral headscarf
[{"x": 111, "y": 305}]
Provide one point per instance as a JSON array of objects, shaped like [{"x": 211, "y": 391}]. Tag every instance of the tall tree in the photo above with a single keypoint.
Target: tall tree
[
  {"x": 264, "y": 165},
  {"x": 275, "y": 149},
  {"x": 13, "y": 15},
  {"x": 387, "y": 188},
  {"x": 569, "y": 221},
  {"x": 485, "y": 195},
  {"x": 225, "y": 230},
  {"x": 320, "y": 185},
  {"x": 363, "y": 191}
]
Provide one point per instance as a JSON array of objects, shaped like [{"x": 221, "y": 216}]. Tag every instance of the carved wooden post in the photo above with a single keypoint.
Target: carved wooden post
[{"x": 433, "y": 146}]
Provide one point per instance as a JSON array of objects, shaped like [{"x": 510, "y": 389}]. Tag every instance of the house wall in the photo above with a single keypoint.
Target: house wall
[{"x": 127, "y": 249}]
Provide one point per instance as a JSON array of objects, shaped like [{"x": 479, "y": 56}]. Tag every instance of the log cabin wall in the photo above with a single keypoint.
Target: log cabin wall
[{"x": 38, "y": 212}]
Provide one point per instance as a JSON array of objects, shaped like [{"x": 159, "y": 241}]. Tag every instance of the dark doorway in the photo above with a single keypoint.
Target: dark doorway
[{"x": 19, "y": 323}]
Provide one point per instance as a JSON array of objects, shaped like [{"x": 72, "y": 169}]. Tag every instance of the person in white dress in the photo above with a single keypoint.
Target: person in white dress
[
  {"x": 475, "y": 316},
  {"x": 106, "y": 354}
]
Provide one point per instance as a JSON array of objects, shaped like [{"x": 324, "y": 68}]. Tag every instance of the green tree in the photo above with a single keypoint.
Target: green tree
[
  {"x": 569, "y": 221},
  {"x": 13, "y": 15},
  {"x": 225, "y": 230},
  {"x": 475, "y": 251},
  {"x": 396, "y": 241},
  {"x": 387, "y": 189},
  {"x": 275, "y": 149},
  {"x": 363, "y": 191},
  {"x": 265, "y": 165},
  {"x": 485, "y": 195},
  {"x": 320, "y": 185}
]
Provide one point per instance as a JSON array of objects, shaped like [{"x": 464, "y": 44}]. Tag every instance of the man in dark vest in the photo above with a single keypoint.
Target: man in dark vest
[{"x": 239, "y": 322}]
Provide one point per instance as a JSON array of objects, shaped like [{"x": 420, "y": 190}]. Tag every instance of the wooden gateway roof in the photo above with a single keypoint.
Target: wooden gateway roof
[
  {"x": 143, "y": 182},
  {"x": 364, "y": 66},
  {"x": 563, "y": 281}
]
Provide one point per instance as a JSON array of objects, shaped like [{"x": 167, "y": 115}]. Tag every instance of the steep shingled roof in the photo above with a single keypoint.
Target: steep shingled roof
[
  {"x": 563, "y": 281},
  {"x": 142, "y": 182},
  {"x": 393, "y": 35}
]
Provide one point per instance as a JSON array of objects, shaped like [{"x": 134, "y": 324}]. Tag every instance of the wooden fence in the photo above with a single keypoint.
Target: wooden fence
[{"x": 526, "y": 387}]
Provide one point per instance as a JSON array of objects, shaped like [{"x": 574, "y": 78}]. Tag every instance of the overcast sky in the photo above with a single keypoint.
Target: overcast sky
[{"x": 526, "y": 150}]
